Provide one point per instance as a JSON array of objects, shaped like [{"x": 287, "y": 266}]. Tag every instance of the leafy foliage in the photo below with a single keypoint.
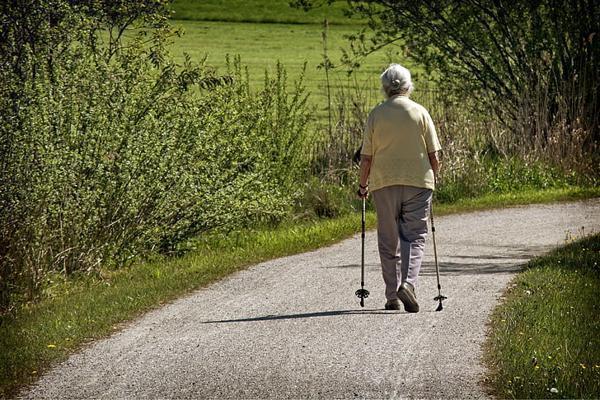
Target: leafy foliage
[
  {"x": 532, "y": 64},
  {"x": 109, "y": 149}
]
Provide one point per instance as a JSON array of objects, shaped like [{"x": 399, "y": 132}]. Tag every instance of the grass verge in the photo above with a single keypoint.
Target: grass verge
[
  {"x": 545, "y": 337},
  {"x": 526, "y": 196},
  {"x": 259, "y": 11},
  {"x": 77, "y": 311}
]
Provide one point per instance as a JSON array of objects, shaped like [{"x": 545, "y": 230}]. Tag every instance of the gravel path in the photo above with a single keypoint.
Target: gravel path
[{"x": 292, "y": 327}]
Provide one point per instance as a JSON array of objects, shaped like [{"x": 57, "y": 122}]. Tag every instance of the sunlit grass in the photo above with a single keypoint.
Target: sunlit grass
[
  {"x": 260, "y": 11},
  {"x": 545, "y": 337},
  {"x": 530, "y": 196},
  {"x": 260, "y": 46}
]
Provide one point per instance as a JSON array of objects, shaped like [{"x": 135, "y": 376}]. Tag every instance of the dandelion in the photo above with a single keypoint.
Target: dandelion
[
  {"x": 51, "y": 346},
  {"x": 534, "y": 360},
  {"x": 537, "y": 367}
]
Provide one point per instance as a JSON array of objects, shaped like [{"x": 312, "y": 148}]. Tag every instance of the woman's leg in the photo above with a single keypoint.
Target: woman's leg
[
  {"x": 386, "y": 205},
  {"x": 412, "y": 229}
]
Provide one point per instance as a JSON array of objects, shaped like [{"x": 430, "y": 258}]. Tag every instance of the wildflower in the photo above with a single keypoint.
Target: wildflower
[
  {"x": 553, "y": 390},
  {"x": 51, "y": 346},
  {"x": 537, "y": 367}
]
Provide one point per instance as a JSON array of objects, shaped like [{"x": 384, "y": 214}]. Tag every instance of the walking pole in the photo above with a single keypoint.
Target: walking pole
[
  {"x": 439, "y": 297},
  {"x": 362, "y": 293}
]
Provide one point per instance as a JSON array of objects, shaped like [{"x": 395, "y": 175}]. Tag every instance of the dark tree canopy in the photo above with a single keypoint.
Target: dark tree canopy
[{"x": 511, "y": 54}]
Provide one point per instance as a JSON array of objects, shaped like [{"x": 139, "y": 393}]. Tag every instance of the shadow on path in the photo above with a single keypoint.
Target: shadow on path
[
  {"x": 353, "y": 266},
  {"x": 461, "y": 268},
  {"x": 505, "y": 259},
  {"x": 302, "y": 315}
]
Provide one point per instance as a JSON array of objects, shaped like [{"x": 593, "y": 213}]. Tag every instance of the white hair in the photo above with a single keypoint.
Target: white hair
[{"x": 396, "y": 80}]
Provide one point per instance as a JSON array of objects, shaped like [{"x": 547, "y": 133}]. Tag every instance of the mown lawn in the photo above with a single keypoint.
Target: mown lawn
[
  {"x": 263, "y": 32},
  {"x": 261, "y": 46},
  {"x": 545, "y": 338},
  {"x": 260, "y": 11}
]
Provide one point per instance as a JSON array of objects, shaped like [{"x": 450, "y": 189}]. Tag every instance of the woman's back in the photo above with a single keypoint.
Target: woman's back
[{"x": 399, "y": 135}]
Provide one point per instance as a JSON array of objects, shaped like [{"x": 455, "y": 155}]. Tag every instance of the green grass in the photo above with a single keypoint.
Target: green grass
[
  {"x": 77, "y": 311},
  {"x": 258, "y": 11},
  {"x": 529, "y": 196},
  {"x": 263, "y": 32},
  {"x": 545, "y": 337},
  {"x": 260, "y": 46}
]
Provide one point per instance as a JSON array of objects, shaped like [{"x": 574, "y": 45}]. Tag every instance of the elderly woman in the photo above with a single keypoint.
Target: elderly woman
[{"x": 399, "y": 162}]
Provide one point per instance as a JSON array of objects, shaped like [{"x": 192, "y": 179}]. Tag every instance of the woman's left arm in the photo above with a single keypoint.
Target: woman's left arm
[{"x": 434, "y": 160}]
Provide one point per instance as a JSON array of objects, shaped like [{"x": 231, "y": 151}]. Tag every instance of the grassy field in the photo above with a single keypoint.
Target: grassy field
[
  {"x": 277, "y": 11},
  {"x": 74, "y": 312},
  {"x": 545, "y": 337},
  {"x": 263, "y": 32},
  {"x": 260, "y": 46}
]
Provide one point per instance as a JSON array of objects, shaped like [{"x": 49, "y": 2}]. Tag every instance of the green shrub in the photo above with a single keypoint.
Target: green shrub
[
  {"x": 322, "y": 199},
  {"x": 112, "y": 151},
  {"x": 480, "y": 176}
]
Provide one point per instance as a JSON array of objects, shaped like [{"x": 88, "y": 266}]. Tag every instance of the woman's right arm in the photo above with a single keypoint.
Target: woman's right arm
[{"x": 365, "y": 169}]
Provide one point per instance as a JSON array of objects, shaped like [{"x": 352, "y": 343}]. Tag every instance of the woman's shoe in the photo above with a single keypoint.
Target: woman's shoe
[
  {"x": 392, "y": 305},
  {"x": 406, "y": 294}
]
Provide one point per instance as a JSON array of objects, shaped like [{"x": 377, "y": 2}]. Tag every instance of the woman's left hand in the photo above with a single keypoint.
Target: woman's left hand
[{"x": 362, "y": 192}]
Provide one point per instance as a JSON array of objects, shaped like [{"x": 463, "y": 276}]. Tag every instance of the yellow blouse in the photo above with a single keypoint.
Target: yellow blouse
[{"x": 398, "y": 136}]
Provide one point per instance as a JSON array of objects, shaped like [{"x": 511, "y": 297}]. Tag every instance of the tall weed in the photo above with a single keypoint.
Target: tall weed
[{"x": 480, "y": 155}]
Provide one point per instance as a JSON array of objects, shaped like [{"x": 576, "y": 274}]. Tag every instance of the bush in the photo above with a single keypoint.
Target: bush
[
  {"x": 112, "y": 151},
  {"x": 323, "y": 199}
]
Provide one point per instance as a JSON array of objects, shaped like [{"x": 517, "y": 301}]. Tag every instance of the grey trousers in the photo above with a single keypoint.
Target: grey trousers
[{"x": 402, "y": 213}]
